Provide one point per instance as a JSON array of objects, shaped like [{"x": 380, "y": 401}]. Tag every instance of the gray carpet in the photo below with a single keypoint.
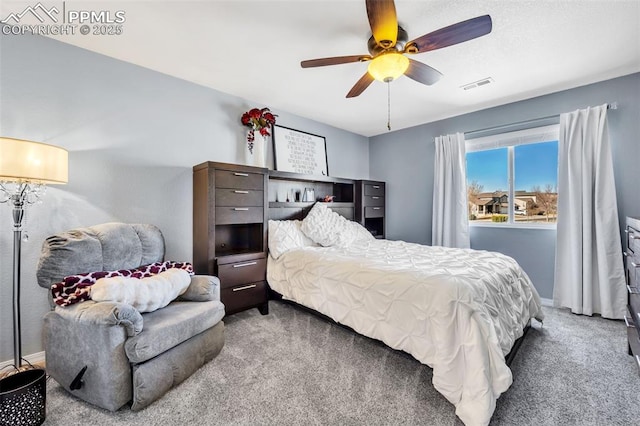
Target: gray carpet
[{"x": 291, "y": 367}]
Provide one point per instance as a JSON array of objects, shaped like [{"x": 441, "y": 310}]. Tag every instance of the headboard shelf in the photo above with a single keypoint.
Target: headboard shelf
[
  {"x": 305, "y": 204},
  {"x": 286, "y": 192},
  {"x": 291, "y": 211},
  {"x": 289, "y": 188},
  {"x": 276, "y": 174}
]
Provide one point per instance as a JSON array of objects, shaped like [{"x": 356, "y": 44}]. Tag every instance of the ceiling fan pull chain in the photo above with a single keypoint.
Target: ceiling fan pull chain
[{"x": 389, "y": 105}]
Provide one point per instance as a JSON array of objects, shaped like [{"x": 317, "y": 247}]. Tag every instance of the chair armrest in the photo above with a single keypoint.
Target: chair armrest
[
  {"x": 202, "y": 289},
  {"x": 104, "y": 313}
]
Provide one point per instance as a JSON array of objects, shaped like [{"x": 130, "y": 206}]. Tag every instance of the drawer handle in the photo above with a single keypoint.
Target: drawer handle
[
  {"x": 375, "y": 198},
  {"x": 241, "y": 265},
  {"x": 376, "y": 208},
  {"x": 633, "y": 290},
  {"x": 246, "y": 287},
  {"x": 241, "y": 192},
  {"x": 629, "y": 324},
  {"x": 376, "y": 186},
  {"x": 634, "y": 237},
  {"x": 241, "y": 174},
  {"x": 241, "y": 209},
  {"x": 634, "y": 264}
]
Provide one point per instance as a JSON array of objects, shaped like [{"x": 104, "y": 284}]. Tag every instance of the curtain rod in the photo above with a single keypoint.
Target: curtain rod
[{"x": 611, "y": 105}]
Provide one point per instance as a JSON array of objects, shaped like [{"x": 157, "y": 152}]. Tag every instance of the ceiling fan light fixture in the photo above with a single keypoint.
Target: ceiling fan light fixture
[{"x": 388, "y": 66}]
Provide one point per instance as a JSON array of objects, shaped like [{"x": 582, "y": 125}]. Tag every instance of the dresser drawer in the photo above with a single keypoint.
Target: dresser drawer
[
  {"x": 244, "y": 296},
  {"x": 239, "y": 197},
  {"x": 373, "y": 200},
  {"x": 634, "y": 304},
  {"x": 632, "y": 264},
  {"x": 377, "y": 190},
  {"x": 234, "y": 274},
  {"x": 373, "y": 212},
  {"x": 633, "y": 269},
  {"x": 232, "y": 215},
  {"x": 633, "y": 241},
  {"x": 634, "y": 342},
  {"x": 239, "y": 180}
]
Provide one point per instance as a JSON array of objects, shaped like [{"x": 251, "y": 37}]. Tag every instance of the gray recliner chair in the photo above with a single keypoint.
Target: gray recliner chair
[{"x": 129, "y": 356}]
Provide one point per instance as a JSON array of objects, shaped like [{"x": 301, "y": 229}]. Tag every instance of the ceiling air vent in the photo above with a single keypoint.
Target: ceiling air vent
[{"x": 478, "y": 83}]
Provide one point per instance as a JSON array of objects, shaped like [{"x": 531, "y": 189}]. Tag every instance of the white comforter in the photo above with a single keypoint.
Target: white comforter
[{"x": 457, "y": 310}]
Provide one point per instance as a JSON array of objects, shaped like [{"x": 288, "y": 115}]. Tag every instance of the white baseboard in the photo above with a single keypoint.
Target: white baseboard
[
  {"x": 546, "y": 302},
  {"x": 38, "y": 357}
]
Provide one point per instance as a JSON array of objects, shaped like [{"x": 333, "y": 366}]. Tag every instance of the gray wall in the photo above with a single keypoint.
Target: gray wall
[
  {"x": 133, "y": 136},
  {"x": 404, "y": 159}
]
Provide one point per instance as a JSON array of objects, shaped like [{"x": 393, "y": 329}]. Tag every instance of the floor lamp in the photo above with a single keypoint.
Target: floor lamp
[{"x": 25, "y": 168}]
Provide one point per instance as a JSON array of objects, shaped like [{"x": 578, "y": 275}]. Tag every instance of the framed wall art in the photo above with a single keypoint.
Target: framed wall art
[{"x": 299, "y": 152}]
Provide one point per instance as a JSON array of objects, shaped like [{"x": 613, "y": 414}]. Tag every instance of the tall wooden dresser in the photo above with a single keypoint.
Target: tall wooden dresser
[
  {"x": 229, "y": 232},
  {"x": 632, "y": 272},
  {"x": 370, "y": 206}
]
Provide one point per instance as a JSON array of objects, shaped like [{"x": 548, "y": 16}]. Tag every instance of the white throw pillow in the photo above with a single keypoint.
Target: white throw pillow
[
  {"x": 145, "y": 294},
  {"x": 285, "y": 235},
  {"x": 327, "y": 227},
  {"x": 360, "y": 233}
]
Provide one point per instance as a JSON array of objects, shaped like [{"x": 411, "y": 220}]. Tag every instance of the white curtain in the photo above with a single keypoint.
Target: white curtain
[
  {"x": 589, "y": 276},
  {"x": 450, "y": 225}
]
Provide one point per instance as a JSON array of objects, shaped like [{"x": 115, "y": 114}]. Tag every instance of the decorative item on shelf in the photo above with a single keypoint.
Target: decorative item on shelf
[
  {"x": 328, "y": 198},
  {"x": 25, "y": 168},
  {"x": 259, "y": 120},
  {"x": 309, "y": 195}
]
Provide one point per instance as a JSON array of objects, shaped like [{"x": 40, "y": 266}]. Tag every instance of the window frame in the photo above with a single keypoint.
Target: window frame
[{"x": 509, "y": 140}]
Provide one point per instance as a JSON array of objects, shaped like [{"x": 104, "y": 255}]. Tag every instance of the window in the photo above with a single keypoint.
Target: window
[{"x": 512, "y": 178}]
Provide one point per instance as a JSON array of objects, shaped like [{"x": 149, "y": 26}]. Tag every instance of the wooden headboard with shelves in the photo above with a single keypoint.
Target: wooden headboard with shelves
[{"x": 286, "y": 190}]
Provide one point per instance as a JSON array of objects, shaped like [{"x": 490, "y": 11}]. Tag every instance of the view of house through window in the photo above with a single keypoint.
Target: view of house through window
[{"x": 513, "y": 177}]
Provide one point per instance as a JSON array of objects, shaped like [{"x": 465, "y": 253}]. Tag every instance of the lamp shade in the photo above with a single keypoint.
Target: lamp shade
[
  {"x": 28, "y": 161},
  {"x": 388, "y": 66}
]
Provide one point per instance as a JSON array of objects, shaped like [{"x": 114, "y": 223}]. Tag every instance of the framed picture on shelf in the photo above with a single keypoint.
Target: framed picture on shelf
[{"x": 299, "y": 152}]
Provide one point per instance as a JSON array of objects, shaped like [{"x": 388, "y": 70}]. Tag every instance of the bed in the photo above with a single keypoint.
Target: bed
[{"x": 458, "y": 311}]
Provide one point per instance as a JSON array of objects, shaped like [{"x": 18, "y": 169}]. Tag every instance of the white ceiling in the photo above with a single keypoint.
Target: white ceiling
[{"x": 253, "y": 49}]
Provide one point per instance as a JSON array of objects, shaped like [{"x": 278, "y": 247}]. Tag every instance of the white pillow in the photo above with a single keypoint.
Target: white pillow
[
  {"x": 327, "y": 227},
  {"x": 360, "y": 233},
  {"x": 145, "y": 294},
  {"x": 285, "y": 235}
]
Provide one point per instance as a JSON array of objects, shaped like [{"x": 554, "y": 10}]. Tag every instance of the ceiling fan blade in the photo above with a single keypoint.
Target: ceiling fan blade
[
  {"x": 359, "y": 87},
  {"x": 453, "y": 34},
  {"x": 334, "y": 61},
  {"x": 383, "y": 21},
  {"x": 422, "y": 73}
]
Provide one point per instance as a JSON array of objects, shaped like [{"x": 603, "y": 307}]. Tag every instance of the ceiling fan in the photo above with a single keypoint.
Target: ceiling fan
[{"x": 388, "y": 46}]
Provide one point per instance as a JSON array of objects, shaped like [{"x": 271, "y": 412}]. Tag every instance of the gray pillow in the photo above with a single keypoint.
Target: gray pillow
[{"x": 202, "y": 289}]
